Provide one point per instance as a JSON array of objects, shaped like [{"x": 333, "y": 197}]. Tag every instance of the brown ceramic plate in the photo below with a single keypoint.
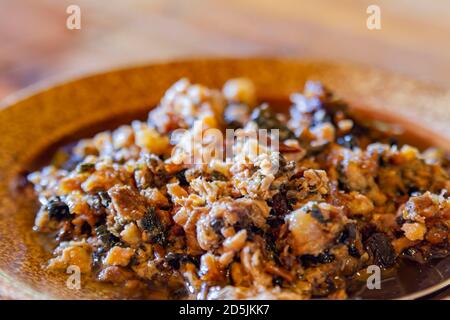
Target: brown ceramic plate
[{"x": 33, "y": 121}]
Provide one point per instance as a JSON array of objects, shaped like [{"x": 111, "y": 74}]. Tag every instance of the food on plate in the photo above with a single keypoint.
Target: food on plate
[{"x": 290, "y": 207}]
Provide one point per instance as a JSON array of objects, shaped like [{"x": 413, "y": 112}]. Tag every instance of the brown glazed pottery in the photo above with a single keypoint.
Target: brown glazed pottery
[{"x": 35, "y": 120}]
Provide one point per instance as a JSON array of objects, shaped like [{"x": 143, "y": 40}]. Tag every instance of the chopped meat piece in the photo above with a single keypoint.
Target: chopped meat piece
[
  {"x": 419, "y": 208},
  {"x": 115, "y": 274},
  {"x": 313, "y": 227},
  {"x": 118, "y": 256},
  {"x": 414, "y": 231},
  {"x": 359, "y": 204},
  {"x": 72, "y": 254},
  {"x": 127, "y": 202}
]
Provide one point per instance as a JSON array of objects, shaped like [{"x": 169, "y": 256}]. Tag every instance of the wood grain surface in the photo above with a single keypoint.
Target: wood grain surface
[{"x": 35, "y": 43}]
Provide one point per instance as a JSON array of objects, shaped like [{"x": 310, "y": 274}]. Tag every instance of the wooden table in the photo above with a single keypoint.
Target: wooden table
[{"x": 35, "y": 44}]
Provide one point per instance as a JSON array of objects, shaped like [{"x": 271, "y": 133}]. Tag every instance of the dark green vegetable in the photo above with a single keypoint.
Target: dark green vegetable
[
  {"x": 85, "y": 167},
  {"x": 317, "y": 214},
  {"x": 348, "y": 141},
  {"x": 216, "y": 175},
  {"x": 274, "y": 221},
  {"x": 217, "y": 225},
  {"x": 350, "y": 236},
  {"x": 58, "y": 209},
  {"x": 279, "y": 204},
  {"x": 155, "y": 229},
  {"x": 106, "y": 237},
  {"x": 381, "y": 250},
  {"x": 174, "y": 260},
  {"x": 105, "y": 198},
  {"x": 99, "y": 202},
  {"x": 266, "y": 119},
  {"x": 182, "y": 178},
  {"x": 309, "y": 260}
]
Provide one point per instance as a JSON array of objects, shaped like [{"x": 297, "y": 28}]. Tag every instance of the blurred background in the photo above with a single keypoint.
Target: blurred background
[{"x": 35, "y": 44}]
